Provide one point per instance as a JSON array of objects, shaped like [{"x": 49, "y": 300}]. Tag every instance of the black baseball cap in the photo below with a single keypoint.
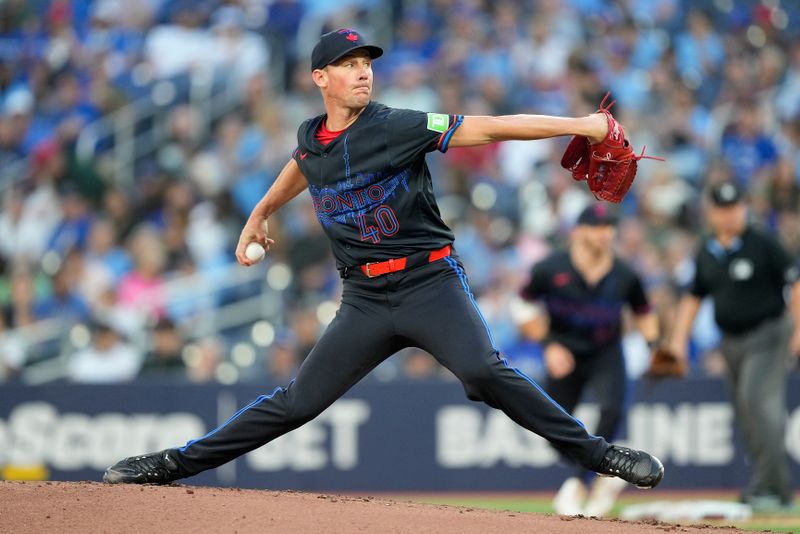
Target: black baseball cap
[
  {"x": 597, "y": 215},
  {"x": 725, "y": 194},
  {"x": 338, "y": 43}
]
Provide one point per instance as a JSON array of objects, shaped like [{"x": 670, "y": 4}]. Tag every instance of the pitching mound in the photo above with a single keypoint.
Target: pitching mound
[{"x": 93, "y": 507}]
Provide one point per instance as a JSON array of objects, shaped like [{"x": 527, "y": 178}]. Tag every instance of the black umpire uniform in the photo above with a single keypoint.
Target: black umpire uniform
[
  {"x": 746, "y": 281},
  {"x": 587, "y": 320}
]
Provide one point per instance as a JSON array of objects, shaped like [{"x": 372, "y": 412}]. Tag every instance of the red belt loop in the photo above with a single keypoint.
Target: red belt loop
[{"x": 379, "y": 268}]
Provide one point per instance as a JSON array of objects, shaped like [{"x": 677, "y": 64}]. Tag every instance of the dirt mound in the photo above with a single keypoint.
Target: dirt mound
[{"x": 93, "y": 507}]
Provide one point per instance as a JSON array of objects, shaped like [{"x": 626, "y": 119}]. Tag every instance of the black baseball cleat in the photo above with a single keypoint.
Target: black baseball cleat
[
  {"x": 153, "y": 468},
  {"x": 637, "y": 467}
]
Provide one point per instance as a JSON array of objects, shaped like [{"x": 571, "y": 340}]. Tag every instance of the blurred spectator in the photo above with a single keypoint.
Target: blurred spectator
[
  {"x": 184, "y": 124},
  {"x": 73, "y": 230},
  {"x": 18, "y": 312},
  {"x": 206, "y": 355},
  {"x": 309, "y": 256},
  {"x": 783, "y": 190},
  {"x": 125, "y": 319},
  {"x": 699, "y": 55},
  {"x": 61, "y": 43},
  {"x": 108, "y": 359},
  {"x": 206, "y": 236},
  {"x": 746, "y": 147},
  {"x": 174, "y": 216},
  {"x": 180, "y": 45},
  {"x": 302, "y": 98},
  {"x": 21, "y": 236},
  {"x": 103, "y": 254},
  {"x": 142, "y": 289},
  {"x": 786, "y": 101},
  {"x": 164, "y": 359},
  {"x": 419, "y": 365},
  {"x": 307, "y": 328},
  {"x": 686, "y": 134},
  {"x": 117, "y": 207},
  {"x": 17, "y": 138},
  {"x": 239, "y": 54},
  {"x": 235, "y": 160},
  {"x": 114, "y": 39},
  {"x": 243, "y": 149},
  {"x": 282, "y": 360},
  {"x": 69, "y": 102},
  {"x": 664, "y": 198},
  {"x": 789, "y": 143},
  {"x": 280, "y": 29},
  {"x": 48, "y": 163},
  {"x": 541, "y": 55},
  {"x": 409, "y": 89},
  {"x": 415, "y": 43},
  {"x": 12, "y": 357},
  {"x": 64, "y": 302}
]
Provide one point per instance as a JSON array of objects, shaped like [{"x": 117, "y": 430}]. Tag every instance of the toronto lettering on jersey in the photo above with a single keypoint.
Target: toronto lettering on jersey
[{"x": 358, "y": 195}]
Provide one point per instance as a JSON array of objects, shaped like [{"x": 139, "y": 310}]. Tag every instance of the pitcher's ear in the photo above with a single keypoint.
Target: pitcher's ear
[{"x": 320, "y": 77}]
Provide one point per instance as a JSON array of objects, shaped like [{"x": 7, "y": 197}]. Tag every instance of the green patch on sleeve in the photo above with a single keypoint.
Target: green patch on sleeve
[{"x": 438, "y": 122}]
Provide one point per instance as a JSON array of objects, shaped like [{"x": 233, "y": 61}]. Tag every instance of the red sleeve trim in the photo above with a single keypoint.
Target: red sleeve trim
[{"x": 444, "y": 139}]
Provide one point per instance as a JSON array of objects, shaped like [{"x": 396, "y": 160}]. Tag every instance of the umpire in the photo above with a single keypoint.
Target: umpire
[{"x": 746, "y": 271}]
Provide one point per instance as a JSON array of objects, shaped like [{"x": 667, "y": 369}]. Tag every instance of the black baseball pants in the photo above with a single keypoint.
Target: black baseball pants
[
  {"x": 602, "y": 373},
  {"x": 430, "y": 307}
]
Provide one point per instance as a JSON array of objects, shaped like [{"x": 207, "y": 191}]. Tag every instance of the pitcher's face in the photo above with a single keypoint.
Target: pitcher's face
[{"x": 348, "y": 81}]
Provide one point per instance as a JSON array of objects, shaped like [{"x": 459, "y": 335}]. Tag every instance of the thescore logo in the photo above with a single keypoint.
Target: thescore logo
[{"x": 35, "y": 433}]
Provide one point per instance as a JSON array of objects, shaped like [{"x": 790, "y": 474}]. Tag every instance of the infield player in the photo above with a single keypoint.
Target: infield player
[
  {"x": 578, "y": 296},
  {"x": 404, "y": 285}
]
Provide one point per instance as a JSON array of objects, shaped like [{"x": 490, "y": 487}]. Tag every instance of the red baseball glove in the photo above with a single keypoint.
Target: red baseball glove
[{"x": 609, "y": 166}]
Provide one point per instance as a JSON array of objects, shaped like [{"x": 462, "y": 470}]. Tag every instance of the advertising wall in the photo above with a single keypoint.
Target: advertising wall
[{"x": 422, "y": 436}]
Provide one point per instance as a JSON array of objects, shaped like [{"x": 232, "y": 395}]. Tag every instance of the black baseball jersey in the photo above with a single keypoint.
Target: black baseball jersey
[
  {"x": 371, "y": 187},
  {"x": 746, "y": 281},
  {"x": 585, "y": 318}
]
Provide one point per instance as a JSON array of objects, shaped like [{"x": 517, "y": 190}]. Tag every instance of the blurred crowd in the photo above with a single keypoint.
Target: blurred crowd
[{"x": 713, "y": 86}]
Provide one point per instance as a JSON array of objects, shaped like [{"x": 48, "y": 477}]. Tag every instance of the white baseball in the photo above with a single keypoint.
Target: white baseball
[{"x": 254, "y": 252}]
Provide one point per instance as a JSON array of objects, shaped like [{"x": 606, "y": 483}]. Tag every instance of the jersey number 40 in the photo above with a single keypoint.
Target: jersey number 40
[{"x": 386, "y": 221}]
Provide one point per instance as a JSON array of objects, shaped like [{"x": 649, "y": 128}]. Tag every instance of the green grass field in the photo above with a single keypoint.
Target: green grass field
[{"x": 541, "y": 503}]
